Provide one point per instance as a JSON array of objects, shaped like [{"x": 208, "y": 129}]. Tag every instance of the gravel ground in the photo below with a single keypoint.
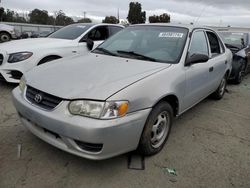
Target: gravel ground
[{"x": 209, "y": 146}]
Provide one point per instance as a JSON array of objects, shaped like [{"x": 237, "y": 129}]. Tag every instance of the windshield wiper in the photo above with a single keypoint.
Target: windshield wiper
[
  {"x": 137, "y": 54},
  {"x": 105, "y": 51}
]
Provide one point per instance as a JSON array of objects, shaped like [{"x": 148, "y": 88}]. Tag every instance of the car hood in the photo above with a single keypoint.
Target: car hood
[
  {"x": 6, "y": 27},
  {"x": 90, "y": 77},
  {"x": 33, "y": 44}
]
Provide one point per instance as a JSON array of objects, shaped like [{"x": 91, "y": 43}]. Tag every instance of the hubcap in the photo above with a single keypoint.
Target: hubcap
[
  {"x": 160, "y": 130},
  {"x": 222, "y": 86}
]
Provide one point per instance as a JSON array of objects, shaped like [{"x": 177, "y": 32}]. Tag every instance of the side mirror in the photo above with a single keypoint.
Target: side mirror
[
  {"x": 196, "y": 58},
  {"x": 90, "y": 43}
]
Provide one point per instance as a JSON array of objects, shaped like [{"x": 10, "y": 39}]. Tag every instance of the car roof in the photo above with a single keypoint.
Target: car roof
[
  {"x": 190, "y": 27},
  {"x": 93, "y": 24}
]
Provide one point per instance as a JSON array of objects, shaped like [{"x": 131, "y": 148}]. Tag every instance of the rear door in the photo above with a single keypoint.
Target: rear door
[
  {"x": 197, "y": 75},
  {"x": 218, "y": 59}
]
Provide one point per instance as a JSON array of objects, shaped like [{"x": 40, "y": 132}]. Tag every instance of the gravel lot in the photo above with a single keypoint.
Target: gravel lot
[{"x": 209, "y": 147}]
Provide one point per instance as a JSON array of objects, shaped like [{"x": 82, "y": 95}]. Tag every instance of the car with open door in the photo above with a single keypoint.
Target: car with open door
[
  {"x": 239, "y": 43},
  {"x": 125, "y": 94},
  {"x": 20, "y": 56}
]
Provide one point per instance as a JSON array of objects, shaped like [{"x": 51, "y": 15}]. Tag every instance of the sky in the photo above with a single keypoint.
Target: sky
[{"x": 202, "y": 12}]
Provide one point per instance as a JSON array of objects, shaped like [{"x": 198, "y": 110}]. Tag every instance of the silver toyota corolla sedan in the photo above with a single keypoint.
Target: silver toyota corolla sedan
[{"x": 125, "y": 94}]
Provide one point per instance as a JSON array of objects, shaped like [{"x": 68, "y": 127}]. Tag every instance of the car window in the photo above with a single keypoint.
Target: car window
[
  {"x": 98, "y": 33},
  {"x": 113, "y": 30},
  {"x": 214, "y": 43},
  {"x": 163, "y": 44},
  {"x": 70, "y": 32},
  {"x": 236, "y": 39},
  {"x": 198, "y": 44}
]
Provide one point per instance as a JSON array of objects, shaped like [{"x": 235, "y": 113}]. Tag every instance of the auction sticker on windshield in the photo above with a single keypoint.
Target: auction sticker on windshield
[
  {"x": 171, "y": 35},
  {"x": 81, "y": 26}
]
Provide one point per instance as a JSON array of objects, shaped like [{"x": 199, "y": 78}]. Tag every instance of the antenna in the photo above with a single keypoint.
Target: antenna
[{"x": 203, "y": 11}]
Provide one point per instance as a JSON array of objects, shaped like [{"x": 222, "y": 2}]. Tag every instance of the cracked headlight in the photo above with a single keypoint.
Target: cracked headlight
[
  {"x": 99, "y": 110},
  {"x": 20, "y": 56}
]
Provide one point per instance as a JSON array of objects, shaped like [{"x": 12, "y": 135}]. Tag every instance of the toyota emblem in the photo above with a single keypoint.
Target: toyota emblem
[{"x": 38, "y": 98}]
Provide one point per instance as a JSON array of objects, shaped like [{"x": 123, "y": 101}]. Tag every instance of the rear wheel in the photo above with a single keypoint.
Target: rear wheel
[
  {"x": 219, "y": 93},
  {"x": 4, "y": 37},
  {"x": 156, "y": 130},
  {"x": 241, "y": 73}
]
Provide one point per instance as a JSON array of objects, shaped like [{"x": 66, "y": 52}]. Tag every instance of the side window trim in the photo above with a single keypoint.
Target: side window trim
[
  {"x": 199, "y": 30},
  {"x": 109, "y": 31},
  {"x": 208, "y": 44}
]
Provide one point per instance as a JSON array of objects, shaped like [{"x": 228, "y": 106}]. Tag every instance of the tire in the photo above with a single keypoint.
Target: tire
[
  {"x": 4, "y": 37},
  {"x": 156, "y": 130},
  {"x": 48, "y": 59},
  {"x": 219, "y": 93},
  {"x": 241, "y": 73}
]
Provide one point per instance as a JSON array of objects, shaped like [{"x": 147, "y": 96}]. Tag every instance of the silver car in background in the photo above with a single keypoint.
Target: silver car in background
[{"x": 125, "y": 94}]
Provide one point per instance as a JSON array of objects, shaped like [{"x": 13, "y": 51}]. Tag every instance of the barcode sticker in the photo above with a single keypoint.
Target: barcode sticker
[{"x": 171, "y": 35}]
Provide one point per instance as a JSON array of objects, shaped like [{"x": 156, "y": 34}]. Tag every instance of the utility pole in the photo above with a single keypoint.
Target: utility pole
[
  {"x": 84, "y": 14},
  {"x": 1, "y": 16},
  {"x": 118, "y": 15}
]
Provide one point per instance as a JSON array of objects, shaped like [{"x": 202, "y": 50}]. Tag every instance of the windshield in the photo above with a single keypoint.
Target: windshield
[
  {"x": 152, "y": 43},
  {"x": 70, "y": 32},
  {"x": 236, "y": 39}
]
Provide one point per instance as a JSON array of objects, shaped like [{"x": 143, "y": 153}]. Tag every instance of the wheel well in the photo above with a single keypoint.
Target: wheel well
[
  {"x": 49, "y": 58},
  {"x": 5, "y": 32},
  {"x": 173, "y": 101}
]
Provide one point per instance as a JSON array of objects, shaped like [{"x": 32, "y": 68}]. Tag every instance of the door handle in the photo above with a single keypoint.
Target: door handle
[{"x": 211, "y": 69}]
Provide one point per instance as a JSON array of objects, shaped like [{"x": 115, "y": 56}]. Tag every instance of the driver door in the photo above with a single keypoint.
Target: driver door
[{"x": 197, "y": 75}]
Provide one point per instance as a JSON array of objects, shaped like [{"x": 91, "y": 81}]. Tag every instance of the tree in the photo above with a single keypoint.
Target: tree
[
  {"x": 51, "y": 20},
  {"x": 110, "y": 19},
  {"x": 9, "y": 16},
  {"x": 85, "y": 20},
  {"x": 62, "y": 19},
  {"x": 39, "y": 16},
  {"x": 135, "y": 14},
  {"x": 1, "y": 13},
  {"x": 164, "y": 18},
  {"x": 19, "y": 19}
]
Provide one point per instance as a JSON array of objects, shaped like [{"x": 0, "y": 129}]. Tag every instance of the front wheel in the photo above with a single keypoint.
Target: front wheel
[
  {"x": 4, "y": 37},
  {"x": 241, "y": 73},
  {"x": 156, "y": 130},
  {"x": 219, "y": 93}
]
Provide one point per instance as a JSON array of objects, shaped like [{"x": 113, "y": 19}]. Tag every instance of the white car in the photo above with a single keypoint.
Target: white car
[
  {"x": 7, "y": 33},
  {"x": 18, "y": 57}
]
